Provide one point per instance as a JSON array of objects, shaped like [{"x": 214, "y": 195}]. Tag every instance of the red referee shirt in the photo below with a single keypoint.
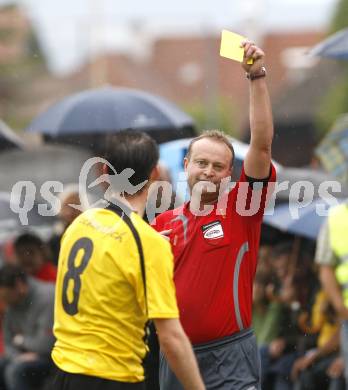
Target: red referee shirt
[{"x": 215, "y": 262}]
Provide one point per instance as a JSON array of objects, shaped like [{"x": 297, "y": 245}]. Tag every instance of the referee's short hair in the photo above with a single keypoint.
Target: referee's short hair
[
  {"x": 132, "y": 149},
  {"x": 214, "y": 135}
]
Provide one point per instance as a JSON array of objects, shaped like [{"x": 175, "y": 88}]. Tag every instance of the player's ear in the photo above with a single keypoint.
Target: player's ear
[
  {"x": 155, "y": 174},
  {"x": 104, "y": 169}
]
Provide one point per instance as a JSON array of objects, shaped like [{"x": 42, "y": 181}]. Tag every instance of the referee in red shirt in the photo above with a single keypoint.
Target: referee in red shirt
[{"x": 215, "y": 240}]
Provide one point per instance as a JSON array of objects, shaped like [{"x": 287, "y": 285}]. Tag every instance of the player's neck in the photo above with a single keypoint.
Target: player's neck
[{"x": 138, "y": 202}]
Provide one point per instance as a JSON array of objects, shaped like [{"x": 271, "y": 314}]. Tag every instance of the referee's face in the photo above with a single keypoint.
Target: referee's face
[{"x": 210, "y": 162}]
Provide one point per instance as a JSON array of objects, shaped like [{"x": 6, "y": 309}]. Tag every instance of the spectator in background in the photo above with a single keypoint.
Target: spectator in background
[
  {"x": 309, "y": 371},
  {"x": 266, "y": 313},
  {"x": 331, "y": 256},
  {"x": 66, "y": 215},
  {"x": 336, "y": 374},
  {"x": 27, "y": 328},
  {"x": 7, "y": 253},
  {"x": 278, "y": 356},
  {"x": 33, "y": 256}
]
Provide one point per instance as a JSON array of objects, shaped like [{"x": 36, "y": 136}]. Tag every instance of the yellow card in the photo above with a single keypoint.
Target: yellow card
[{"x": 230, "y": 46}]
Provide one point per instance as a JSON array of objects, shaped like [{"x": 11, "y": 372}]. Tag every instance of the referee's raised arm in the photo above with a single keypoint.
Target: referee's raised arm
[{"x": 258, "y": 159}]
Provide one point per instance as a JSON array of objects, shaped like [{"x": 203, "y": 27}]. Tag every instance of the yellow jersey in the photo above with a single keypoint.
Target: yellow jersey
[{"x": 114, "y": 274}]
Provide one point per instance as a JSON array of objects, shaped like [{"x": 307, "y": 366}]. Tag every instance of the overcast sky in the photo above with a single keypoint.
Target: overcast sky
[{"x": 71, "y": 29}]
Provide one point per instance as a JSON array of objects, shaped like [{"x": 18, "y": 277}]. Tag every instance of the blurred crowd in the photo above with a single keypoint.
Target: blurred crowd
[
  {"x": 297, "y": 329},
  {"x": 27, "y": 282}
]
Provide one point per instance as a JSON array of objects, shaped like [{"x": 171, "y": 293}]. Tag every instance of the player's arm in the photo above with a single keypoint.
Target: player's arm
[
  {"x": 326, "y": 259},
  {"x": 178, "y": 352},
  {"x": 332, "y": 289},
  {"x": 258, "y": 158},
  {"x": 11, "y": 351}
]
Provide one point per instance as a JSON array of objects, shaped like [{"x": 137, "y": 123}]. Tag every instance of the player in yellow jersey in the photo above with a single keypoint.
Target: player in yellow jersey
[{"x": 114, "y": 274}]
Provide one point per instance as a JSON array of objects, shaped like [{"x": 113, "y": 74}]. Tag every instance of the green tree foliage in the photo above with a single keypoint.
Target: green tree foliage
[
  {"x": 221, "y": 116},
  {"x": 19, "y": 70},
  {"x": 335, "y": 102},
  {"x": 340, "y": 20}
]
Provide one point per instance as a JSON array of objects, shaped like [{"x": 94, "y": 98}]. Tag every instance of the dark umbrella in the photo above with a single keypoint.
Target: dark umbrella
[
  {"x": 82, "y": 117},
  {"x": 47, "y": 163},
  {"x": 309, "y": 179},
  {"x": 335, "y": 46},
  {"x": 11, "y": 222},
  {"x": 8, "y": 139},
  {"x": 10, "y": 218},
  {"x": 333, "y": 150},
  {"x": 35, "y": 169}
]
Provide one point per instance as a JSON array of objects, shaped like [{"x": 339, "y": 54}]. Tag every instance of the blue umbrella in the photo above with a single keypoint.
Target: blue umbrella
[
  {"x": 106, "y": 110},
  {"x": 335, "y": 46},
  {"x": 306, "y": 224}
]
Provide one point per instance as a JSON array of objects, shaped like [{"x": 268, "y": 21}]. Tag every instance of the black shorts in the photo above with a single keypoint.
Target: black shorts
[
  {"x": 62, "y": 380},
  {"x": 231, "y": 363}
]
